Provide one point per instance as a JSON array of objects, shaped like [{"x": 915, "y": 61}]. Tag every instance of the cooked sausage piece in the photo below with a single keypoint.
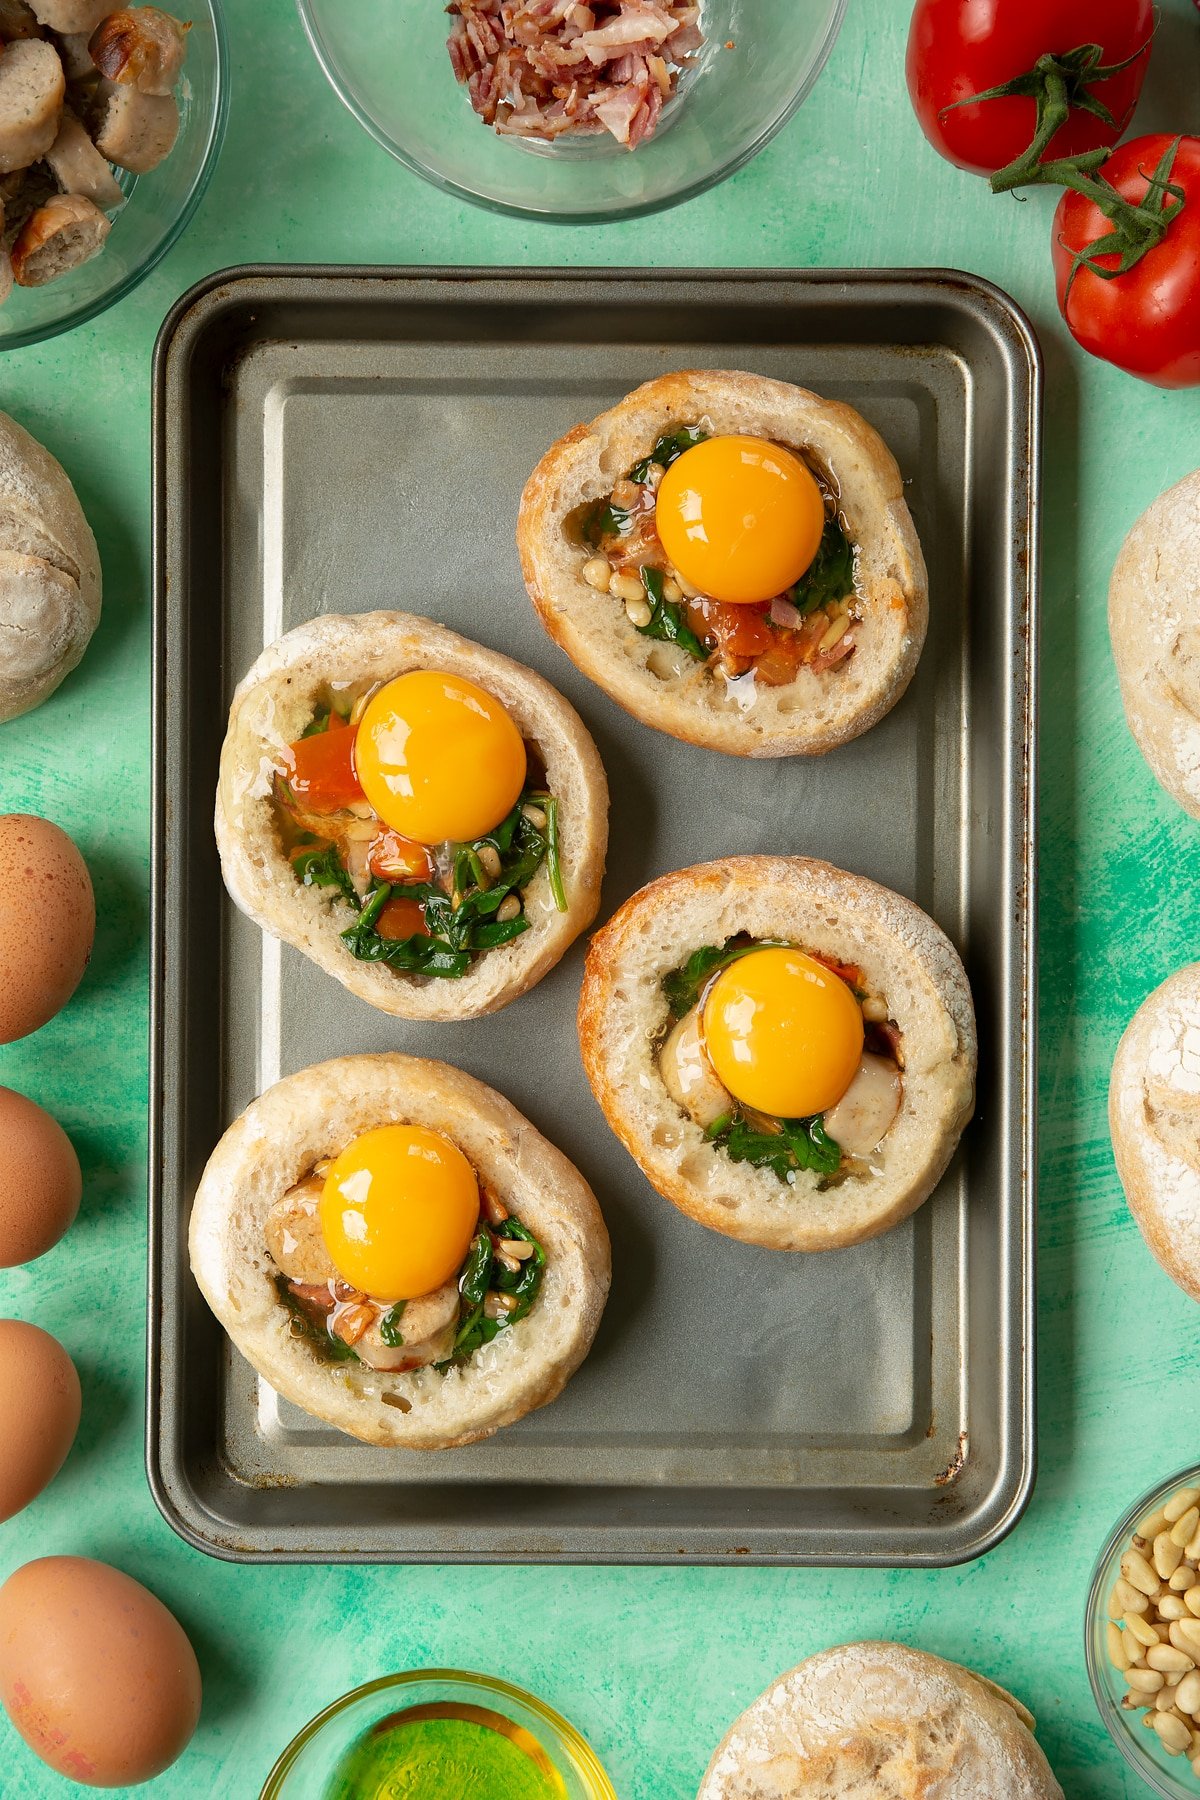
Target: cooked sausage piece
[
  {"x": 70, "y": 15},
  {"x": 31, "y": 101},
  {"x": 141, "y": 47},
  {"x": 137, "y": 130},
  {"x": 17, "y": 21},
  {"x": 60, "y": 235},
  {"x": 79, "y": 167}
]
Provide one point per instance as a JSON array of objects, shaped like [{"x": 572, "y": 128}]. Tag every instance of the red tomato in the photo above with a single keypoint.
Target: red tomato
[
  {"x": 401, "y": 919},
  {"x": 320, "y": 769},
  {"x": 1146, "y": 321},
  {"x": 736, "y": 631},
  {"x": 957, "y": 48},
  {"x": 395, "y": 858}
]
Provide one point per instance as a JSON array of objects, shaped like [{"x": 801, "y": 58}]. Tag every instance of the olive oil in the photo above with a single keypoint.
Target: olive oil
[{"x": 446, "y": 1752}]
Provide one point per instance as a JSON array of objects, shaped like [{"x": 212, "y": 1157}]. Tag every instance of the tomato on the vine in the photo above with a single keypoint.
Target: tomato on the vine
[
  {"x": 959, "y": 48},
  {"x": 1147, "y": 320}
]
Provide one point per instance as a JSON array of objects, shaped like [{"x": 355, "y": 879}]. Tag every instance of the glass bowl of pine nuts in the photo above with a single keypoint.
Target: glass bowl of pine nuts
[{"x": 1142, "y": 1636}]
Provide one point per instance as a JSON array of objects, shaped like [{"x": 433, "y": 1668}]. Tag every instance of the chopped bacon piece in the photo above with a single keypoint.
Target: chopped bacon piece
[{"x": 539, "y": 68}]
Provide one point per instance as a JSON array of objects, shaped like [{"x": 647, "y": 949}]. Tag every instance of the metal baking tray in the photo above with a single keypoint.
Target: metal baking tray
[{"x": 331, "y": 440}]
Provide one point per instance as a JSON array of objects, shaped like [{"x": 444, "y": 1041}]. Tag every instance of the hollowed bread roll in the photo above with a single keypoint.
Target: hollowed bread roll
[
  {"x": 1154, "y": 1116},
  {"x": 904, "y": 958},
  {"x": 1154, "y": 622},
  {"x": 814, "y": 712},
  {"x": 313, "y": 1115},
  {"x": 273, "y": 705},
  {"x": 883, "y": 1721}
]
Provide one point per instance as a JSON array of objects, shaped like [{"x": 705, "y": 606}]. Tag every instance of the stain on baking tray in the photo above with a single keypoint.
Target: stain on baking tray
[{"x": 955, "y": 1466}]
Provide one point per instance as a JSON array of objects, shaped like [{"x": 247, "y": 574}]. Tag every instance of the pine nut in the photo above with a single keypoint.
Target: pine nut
[
  {"x": 1191, "y": 1600},
  {"x": 1185, "y": 1635},
  {"x": 1187, "y": 1694},
  {"x": 1179, "y": 1503},
  {"x": 1145, "y": 1681},
  {"x": 1171, "y": 1607},
  {"x": 489, "y": 859},
  {"x": 1183, "y": 1579},
  {"x": 1191, "y": 1550},
  {"x": 1137, "y": 1571},
  {"x": 685, "y": 586},
  {"x": 1164, "y": 1701},
  {"x": 517, "y": 1248},
  {"x": 1184, "y": 1528},
  {"x": 1167, "y": 1555},
  {"x": 835, "y": 633},
  {"x": 1153, "y": 1523},
  {"x": 1134, "y": 1651},
  {"x": 1135, "y": 1702},
  {"x": 1127, "y": 1599},
  {"x": 626, "y": 492},
  {"x": 875, "y": 1012},
  {"x": 1167, "y": 1658},
  {"x": 597, "y": 572},
  {"x": 639, "y": 612},
  {"x": 1139, "y": 1629},
  {"x": 509, "y": 908},
  {"x": 1173, "y": 1733},
  {"x": 672, "y": 591},
  {"x": 627, "y": 587},
  {"x": 536, "y": 817},
  {"x": 1114, "y": 1639}
]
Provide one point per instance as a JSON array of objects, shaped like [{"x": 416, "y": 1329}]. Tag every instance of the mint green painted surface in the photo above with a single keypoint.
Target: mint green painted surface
[{"x": 651, "y": 1663}]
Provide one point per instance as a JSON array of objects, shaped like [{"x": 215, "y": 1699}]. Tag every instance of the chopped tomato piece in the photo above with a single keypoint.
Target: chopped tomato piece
[
  {"x": 734, "y": 631},
  {"x": 850, "y": 973},
  {"x": 320, "y": 769},
  {"x": 789, "y": 651},
  {"x": 402, "y": 919},
  {"x": 395, "y": 858}
]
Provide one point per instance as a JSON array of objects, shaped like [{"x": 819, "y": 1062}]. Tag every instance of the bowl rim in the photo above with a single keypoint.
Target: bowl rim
[
  {"x": 607, "y": 215},
  {"x": 586, "y": 1763},
  {"x": 1118, "y": 1731},
  {"x": 21, "y": 338}
]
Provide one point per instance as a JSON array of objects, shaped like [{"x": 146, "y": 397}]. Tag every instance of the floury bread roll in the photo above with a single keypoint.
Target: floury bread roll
[
  {"x": 49, "y": 573},
  {"x": 397, "y": 1250},
  {"x": 878, "y": 1721},
  {"x": 1154, "y": 621},
  {"x": 787, "y": 1050},
  {"x": 731, "y": 558},
  {"x": 1154, "y": 1116},
  {"x": 424, "y": 818}
]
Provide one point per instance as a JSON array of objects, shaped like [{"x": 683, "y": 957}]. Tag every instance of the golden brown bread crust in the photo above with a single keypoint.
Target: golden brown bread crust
[
  {"x": 814, "y": 713},
  {"x": 1154, "y": 1117},
  {"x": 884, "y": 1721},
  {"x": 313, "y": 1115},
  {"x": 905, "y": 957},
  {"x": 273, "y": 704}
]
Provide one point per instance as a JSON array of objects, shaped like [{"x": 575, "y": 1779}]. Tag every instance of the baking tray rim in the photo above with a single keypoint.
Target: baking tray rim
[{"x": 173, "y": 1494}]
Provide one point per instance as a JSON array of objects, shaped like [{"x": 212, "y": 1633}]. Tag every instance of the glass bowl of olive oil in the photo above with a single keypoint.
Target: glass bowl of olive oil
[{"x": 438, "y": 1734}]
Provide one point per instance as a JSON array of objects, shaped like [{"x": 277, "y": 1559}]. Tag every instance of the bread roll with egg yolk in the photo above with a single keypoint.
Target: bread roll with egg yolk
[
  {"x": 366, "y": 1114},
  {"x": 442, "y": 750},
  {"x": 797, "y": 911}
]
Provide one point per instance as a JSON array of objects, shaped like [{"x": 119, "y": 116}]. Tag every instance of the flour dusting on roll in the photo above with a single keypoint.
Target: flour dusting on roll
[
  {"x": 1154, "y": 621},
  {"x": 1154, "y": 1116},
  {"x": 398, "y": 1251},
  {"x": 426, "y": 819},
  {"x": 731, "y": 558},
  {"x": 882, "y": 1721},
  {"x": 787, "y": 1050}
]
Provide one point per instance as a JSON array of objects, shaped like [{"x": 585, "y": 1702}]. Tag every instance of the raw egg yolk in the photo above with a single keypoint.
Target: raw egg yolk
[
  {"x": 740, "y": 518},
  {"x": 783, "y": 1032},
  {"x": 438, "y": 758},
  {"x": 398, "y": 1211}
]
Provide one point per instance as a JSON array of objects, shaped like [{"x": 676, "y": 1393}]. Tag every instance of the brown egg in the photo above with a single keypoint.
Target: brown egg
[
  {"x": 47, "y": 922},
  {"x": 39, "y": 1412},
  {"x": 95, "y": 1673},
  {"x": 40, "y": 1183}
]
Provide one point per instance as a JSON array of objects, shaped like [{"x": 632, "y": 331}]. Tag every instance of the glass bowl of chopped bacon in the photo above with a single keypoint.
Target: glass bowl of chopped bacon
[{"x": 568, "y": 111}]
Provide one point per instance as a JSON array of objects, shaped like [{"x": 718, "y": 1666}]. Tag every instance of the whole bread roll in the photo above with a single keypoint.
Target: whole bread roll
[
  {"x": 904, "y": 956},
  {"x": 271, "y": 707},
  {"x": 311, "y": 1116},
  {"x": 1154, "y": 622},
  {"x": 814, "y": 712},
  {"x": 1154, "y": 1116},
  {"x": 49, "y": 573},
  {"x": 879, "y": 1721}
]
